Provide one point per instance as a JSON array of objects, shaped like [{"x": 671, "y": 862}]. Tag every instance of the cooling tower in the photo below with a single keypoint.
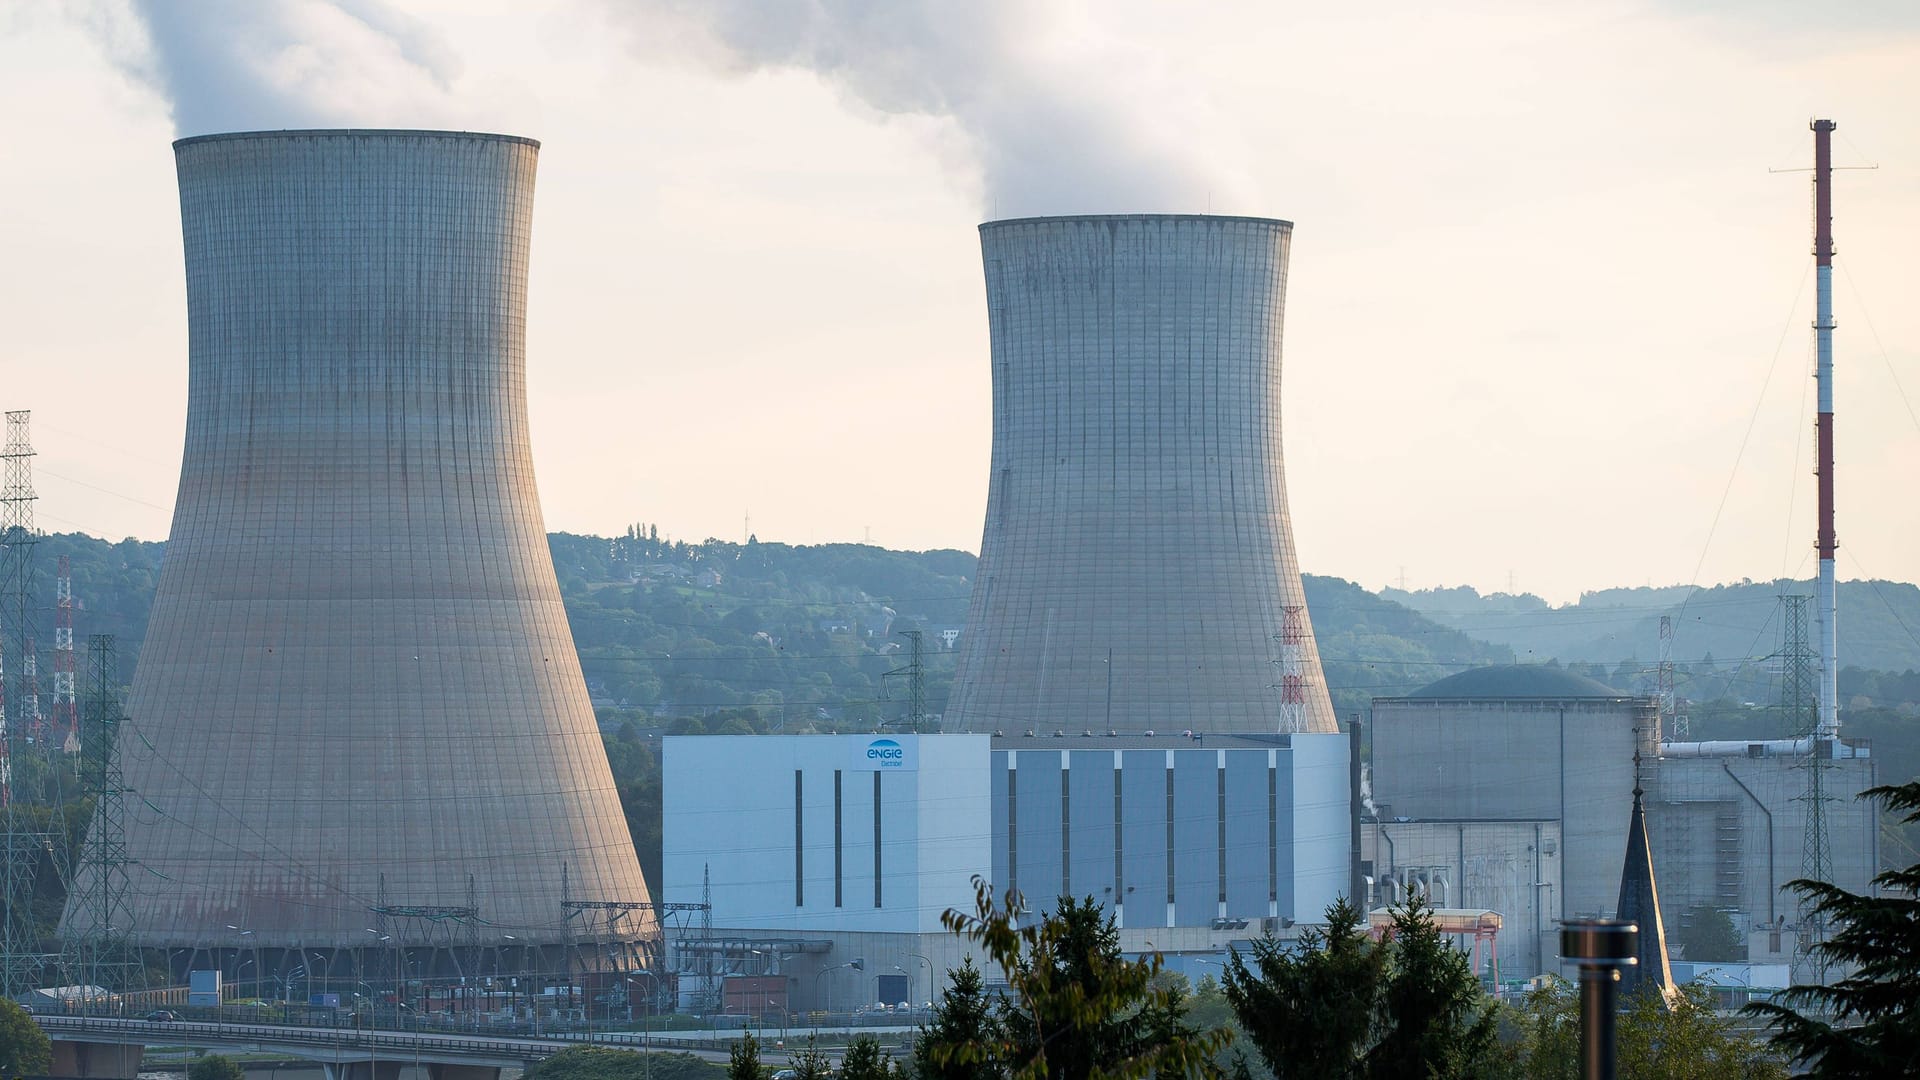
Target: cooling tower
[
  {"x": 1137, "y": 570},
  {"x": 358, "y": 690}
]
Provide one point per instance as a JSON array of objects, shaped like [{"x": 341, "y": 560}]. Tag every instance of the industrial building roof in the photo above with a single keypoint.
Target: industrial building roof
[
  {"x": 1517, "y": 681},
  {"x": 1172, "y": 740}
]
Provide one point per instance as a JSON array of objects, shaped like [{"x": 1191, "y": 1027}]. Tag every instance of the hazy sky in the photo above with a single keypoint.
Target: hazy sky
[{"x": 1542, "y": 280}]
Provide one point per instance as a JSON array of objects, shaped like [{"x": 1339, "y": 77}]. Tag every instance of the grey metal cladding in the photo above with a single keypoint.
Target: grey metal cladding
[
  {"x": 1136, "y": 504},
  {"x": 358, "y": 684}
]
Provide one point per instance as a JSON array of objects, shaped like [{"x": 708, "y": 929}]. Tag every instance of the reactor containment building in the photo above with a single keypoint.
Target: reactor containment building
[
  {"x": 1137, "y": 569},
  {"x": 358, "y": 706}
]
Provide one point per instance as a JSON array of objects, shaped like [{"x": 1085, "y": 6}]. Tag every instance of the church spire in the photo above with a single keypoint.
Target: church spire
[{"x": 1640, "y": 903}]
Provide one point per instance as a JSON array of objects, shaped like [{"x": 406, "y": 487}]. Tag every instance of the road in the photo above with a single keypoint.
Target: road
[{"x": 330, "y": 1044}]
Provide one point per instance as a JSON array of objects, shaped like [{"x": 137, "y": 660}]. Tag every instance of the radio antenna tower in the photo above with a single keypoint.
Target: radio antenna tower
[
  {"x": 1827, "y": 588},
  {"x": 66, "y": 714},
  {"x": 21, "y": 850}
]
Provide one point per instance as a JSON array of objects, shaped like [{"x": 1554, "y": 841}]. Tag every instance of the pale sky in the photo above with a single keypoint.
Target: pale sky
[{"x": 1541, "y": 271}]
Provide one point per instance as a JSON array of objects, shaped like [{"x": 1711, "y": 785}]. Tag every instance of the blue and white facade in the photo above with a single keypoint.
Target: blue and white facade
[
  {"x": 870, "y": 833},
  {"x": 885, "y": 833},
  {"x": 1173, "y": 832},
  {"x": 826, "y": 850}
]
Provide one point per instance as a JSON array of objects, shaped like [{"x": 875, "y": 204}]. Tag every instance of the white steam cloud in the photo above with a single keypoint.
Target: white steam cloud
[
  {"x": 1055, "y": 119},
  {"x": 239, "y": 65}
]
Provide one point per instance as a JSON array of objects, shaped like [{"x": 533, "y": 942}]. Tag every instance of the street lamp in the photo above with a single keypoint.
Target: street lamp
[
  {"x": 857, "y": 964},
  {"x": 316, "y": 958},
  {"x": 910, "y": 994},
  {"x": 256, "y": 958}
]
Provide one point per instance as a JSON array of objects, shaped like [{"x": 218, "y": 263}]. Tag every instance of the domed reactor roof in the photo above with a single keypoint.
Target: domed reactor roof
[
  {"x": 1137, "y": 571},
  {"x": 358, "y": 705},
  {"x": 1519, "y": 681}
]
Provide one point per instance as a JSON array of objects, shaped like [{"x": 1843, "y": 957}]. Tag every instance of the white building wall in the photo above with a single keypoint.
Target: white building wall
[
  {"x": 730, "y": 813},
  {"x": 1322, "y": 815}
]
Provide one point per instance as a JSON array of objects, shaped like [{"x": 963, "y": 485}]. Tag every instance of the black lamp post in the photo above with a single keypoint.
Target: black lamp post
[{"x": 1601, "y": 947}]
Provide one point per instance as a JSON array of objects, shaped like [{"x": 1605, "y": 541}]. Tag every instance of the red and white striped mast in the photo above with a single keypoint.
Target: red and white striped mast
[
  {"x": 66, "y": 714},
  {"x": 30, "y": 717},
  {"x": 1826, "y": 591}
]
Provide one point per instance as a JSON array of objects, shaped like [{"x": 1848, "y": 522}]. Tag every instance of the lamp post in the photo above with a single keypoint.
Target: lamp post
[
  {"x": 911, "y": 1003},
  {"x": 256, "y": 957},
  {"x": 857, "y": 964},
  {"x": 1601, "y": 947},
  {"x": 1204, "y": 960},
  {"x": 312, "y": 959}
]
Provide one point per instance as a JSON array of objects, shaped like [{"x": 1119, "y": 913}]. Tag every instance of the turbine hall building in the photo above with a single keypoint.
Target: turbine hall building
[
  {"x": 358, "y": 707},
  {"x": 1137, "y": 570},
  {"x": 830, "y": 859}
]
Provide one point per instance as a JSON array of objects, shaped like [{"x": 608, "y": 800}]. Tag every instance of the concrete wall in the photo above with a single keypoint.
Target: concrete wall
[
  {"x": 1137, "y": 564},
  {"x": 730, "y": 811},
  {"x": 1512, "y": 867},
  {"x": 1730, "y": 832},
  {"x": 358, "y": 684},
  {"x": 817, "y": 980},
  {"x": 1569, "y": 761}
]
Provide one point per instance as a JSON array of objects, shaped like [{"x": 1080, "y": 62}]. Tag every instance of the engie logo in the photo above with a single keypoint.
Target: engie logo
[{"x": 881, "y": 754}]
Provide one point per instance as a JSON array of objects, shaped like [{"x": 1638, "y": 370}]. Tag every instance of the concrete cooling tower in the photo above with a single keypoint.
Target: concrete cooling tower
[
  {"x": 358, "y": 706},
  {"x": 1137, "y": 571}
]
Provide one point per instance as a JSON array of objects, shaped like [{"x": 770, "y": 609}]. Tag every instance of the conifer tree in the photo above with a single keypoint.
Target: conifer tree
[
  {"x": 960, "y": 1038},
  {"x": 743, "y": 1061},
  {"x": 1867, "y": 1024},
  {"x": 1311, "y": 1011}
]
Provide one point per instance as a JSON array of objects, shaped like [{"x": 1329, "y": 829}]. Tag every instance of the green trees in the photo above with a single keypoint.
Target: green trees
[
  {"x": 1706, "y": 933},
  {"x": 607, "y": 1063},
  {"x": 1311, "y": 1012},
  {"x": 1686, "y": 1040},
  {"x": 961, "y": 1040},
  {"x": 1342, "y": 1006},
  {"x": 810, "y": 1063},
  {"x": 1867, "y": 1024},
  {"x": 743, "y": 1060},
  {"x": 1076, "y": 1009},
  {"x": 1439, "y": 1022},
  {"x": 864, "y": 1061},
  {"x": 215, "y": 1067},
  {"x": 24, "y": 1048}
]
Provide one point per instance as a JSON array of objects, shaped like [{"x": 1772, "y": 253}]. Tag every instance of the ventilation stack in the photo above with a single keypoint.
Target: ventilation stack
[
  {"x": 358, "y": 697},
  {"x": 1137, "y": 571}
]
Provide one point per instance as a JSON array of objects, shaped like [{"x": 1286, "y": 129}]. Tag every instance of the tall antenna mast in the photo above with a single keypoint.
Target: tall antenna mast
[
  {"x": 1826, "y": 592},
  {"x": 66, "y": 714}
]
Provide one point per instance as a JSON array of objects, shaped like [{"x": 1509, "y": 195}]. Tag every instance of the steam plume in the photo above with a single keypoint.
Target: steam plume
[
  {"x": 233, "y": 65},
  {"x": 1054, "y": 119}
]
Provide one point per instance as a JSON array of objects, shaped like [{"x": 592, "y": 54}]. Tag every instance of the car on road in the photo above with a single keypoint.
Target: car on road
[
  {"x": 787, "y": 1074},
  {"x": 163, "y": 1016}
]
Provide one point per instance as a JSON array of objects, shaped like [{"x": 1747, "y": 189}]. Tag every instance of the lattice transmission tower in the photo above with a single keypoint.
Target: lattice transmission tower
[
  {"x": 20, "y": 849},
  {"x": 97, "y": 931},
  {"x": 1799, "y": 702}
]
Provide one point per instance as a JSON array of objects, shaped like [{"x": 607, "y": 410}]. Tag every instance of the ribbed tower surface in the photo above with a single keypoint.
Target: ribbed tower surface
[
  {"x": 358, "y": 685},
  {"x": 1137, "y": 570}
]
